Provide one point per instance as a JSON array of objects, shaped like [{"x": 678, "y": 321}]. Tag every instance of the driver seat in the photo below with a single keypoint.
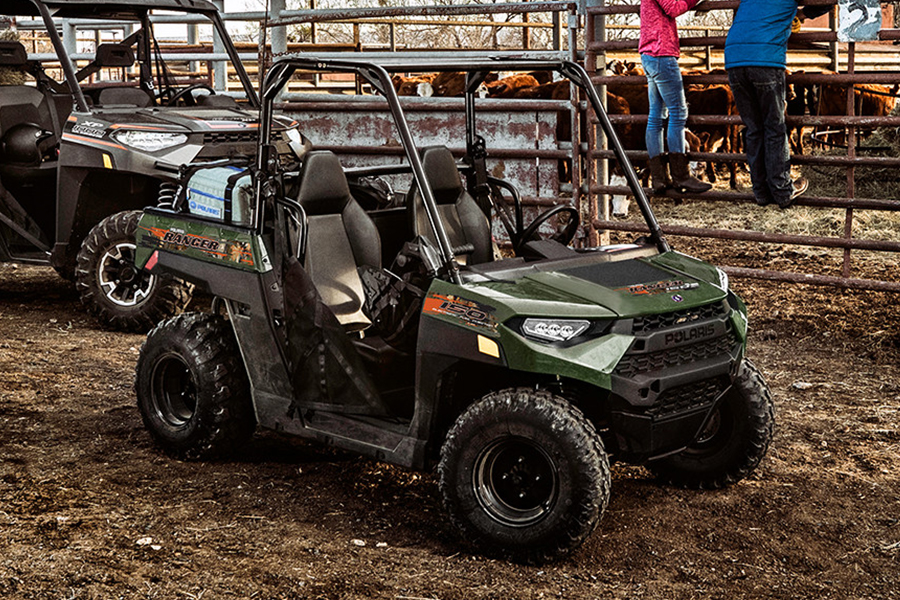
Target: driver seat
[
  {"x": 115, "y": 55},
  {"x": 463, "y": 219},
  {"x": 341, "y": 238}
]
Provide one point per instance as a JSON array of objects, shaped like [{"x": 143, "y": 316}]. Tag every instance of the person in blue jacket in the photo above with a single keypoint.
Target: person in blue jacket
[{"x": 755, "y": 59}]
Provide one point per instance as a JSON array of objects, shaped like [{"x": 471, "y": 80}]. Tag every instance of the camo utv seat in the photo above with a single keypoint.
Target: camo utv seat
[
  {"x": 25, "y": 103},
  {"x": 342, "y": 238}
]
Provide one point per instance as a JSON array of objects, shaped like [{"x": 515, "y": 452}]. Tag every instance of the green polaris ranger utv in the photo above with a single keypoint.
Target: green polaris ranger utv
[{"x": 402, "y": 335}]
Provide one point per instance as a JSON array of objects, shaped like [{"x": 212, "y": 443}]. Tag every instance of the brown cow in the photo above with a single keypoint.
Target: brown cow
[
  {"x": 635, "y": 96},
  {"x": 714, "y": 100},
  {"x": 801, "y": 99},
  {"x": 416, "y": 85},
  {"x": 508, "y": 86},
  {"x": 452, "y": 84},
  {"x": 554, "y": 90},
  {"x": 870, "y": 99}
]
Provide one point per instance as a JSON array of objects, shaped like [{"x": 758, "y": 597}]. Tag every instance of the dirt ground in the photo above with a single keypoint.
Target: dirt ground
[{"x": 89, "y": 508}]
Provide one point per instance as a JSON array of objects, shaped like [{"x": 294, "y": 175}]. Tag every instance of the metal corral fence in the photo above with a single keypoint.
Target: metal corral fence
[
  {"x": 833, "y": 56},
  {"x": 579, "y": 32}
]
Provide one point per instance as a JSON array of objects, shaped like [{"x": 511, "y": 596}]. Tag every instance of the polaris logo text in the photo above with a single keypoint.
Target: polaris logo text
[{"x": 695, "y": 333}]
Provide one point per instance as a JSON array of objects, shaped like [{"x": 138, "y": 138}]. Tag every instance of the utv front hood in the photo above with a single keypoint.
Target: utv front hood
[
  {"x": 200, "y": 120},
  {"x": 603, "y": 289},
  {"x": 609, "y": 294}
]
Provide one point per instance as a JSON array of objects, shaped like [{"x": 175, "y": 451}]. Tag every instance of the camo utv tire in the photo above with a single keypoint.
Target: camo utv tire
[
  {"x": 524, "y": 474},
  {"x": 192, "y": 388},
  {"x": 113, "y": 290},
  {"x": 732, "y": 443}
]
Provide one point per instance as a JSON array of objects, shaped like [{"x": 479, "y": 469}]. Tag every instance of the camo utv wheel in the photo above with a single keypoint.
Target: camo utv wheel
[
  {"x": 523, "y": 474},
  {"x": 113, "y": 290},
  {"x": 733, "y": 441},
  {"x": 192, "y": 389}
]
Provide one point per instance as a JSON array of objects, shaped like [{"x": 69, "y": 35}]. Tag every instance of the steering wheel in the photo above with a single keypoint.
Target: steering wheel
[
  {"x": 185, "y": 93},
  {"x": 563, "y": 237}
]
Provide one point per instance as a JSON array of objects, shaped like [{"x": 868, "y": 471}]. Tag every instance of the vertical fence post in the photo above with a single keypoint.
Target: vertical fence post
[
  {"x": 220, "y": 68},
  {"x": 70, "y": 37},
  {"x": 595, "y": 29},
  {"x": 557, "y": 31},
  {"x": 278, "y": 35},
  {"x": 193, "y": 38},
  {"x": 851, "y": 153}
]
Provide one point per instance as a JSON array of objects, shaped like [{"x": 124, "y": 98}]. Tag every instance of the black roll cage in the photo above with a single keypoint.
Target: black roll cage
[
  {"x": 377, "y": 75},
  {"x": 140, "y": 11}
]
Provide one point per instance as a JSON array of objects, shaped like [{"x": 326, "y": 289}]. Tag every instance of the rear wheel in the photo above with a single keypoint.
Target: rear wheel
[
  {"x": 524, "y": 474},
  {"x": 733, "y": 441},
  {"x": 113, "y": 289},
  {"x": 192, "y": 387}
]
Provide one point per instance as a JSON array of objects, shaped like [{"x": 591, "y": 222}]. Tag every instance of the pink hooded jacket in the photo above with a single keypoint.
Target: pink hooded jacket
[{"x": 659, "y": 33}]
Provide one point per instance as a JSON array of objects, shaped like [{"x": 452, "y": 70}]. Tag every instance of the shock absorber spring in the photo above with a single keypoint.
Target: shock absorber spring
[{"x": 168, "y": 194}]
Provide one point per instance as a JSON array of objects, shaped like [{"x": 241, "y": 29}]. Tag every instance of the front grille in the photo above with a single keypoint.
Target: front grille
[
  {"x": 651, "y": 323},
  {"x": 686, "y": 397},
  {"x": 635, "y": 364}
]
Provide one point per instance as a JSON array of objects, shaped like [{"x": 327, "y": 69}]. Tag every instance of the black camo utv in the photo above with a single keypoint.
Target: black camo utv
[{"x": 83, "y": 150}]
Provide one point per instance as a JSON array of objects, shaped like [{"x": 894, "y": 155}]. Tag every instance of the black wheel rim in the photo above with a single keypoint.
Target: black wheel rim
[
  {"x": 516, "y": 482},
  {"x": 120, "y": 281},
  {"x": 715, "y": 434},
  {"x": 173, "y": 392}
]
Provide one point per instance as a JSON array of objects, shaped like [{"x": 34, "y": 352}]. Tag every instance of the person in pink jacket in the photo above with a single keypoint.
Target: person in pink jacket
[{"x": 660, "y": 50}]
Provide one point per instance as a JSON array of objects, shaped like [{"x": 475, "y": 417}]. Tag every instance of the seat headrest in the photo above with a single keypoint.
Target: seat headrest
[
  {"x": 13, "y": 54},
  {"x": 440, "y": 169},
  {"x": 323, "y": 185},
  {"x": 126, "y": 96},
  {"x": 114, "y": 55}
]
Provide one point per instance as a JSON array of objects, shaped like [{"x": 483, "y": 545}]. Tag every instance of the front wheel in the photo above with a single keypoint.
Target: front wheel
[
  {"x": 732, "y": 442},
  {"x": 192, "y": 388},
  {"x": 113, "y": 289},
  {"x": 524, "y": 474}
]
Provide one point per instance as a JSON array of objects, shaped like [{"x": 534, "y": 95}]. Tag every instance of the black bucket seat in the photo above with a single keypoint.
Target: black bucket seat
[
  {"x": 464, "y": 221},
  {"x": 342, "y": 238}
]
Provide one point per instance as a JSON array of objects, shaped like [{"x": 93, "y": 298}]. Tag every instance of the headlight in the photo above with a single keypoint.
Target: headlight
[
  {"x": 723, "y": 279},
  {"x": 554, "y": 330},
  {"x": 149, "y": 141}
]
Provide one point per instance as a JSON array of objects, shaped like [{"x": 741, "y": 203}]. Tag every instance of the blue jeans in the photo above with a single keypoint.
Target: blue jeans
[
  {"x": 759, "y": 94},
  {"x": 666, "y": 94}
]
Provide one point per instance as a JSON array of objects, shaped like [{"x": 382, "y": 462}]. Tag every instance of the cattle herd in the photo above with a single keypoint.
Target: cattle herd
[{"x": 631, "y": 98}]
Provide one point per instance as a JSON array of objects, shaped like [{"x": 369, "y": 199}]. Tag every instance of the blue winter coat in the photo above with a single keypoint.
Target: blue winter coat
[{"x": 759, "y": 34}]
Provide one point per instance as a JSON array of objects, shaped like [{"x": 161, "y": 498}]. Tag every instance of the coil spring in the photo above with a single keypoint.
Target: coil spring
[{"x": 168, "y": 194}]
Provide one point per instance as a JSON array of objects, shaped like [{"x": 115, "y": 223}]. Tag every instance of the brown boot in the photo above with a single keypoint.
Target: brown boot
[
  {"x": 659, "y": 174},
  {"x": 682, "y": 179}
]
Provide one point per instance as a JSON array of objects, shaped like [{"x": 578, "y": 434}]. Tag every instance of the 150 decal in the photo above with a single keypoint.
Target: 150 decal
[{"x": 469, "y": 312}]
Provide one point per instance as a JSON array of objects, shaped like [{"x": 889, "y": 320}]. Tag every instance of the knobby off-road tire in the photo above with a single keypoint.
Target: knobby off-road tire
[
  {"x": 192, "y": 388},
  {"x": 524, "y": 474},
  {"x": 732, "y": 443},
  {"x": 118, "y": 294}
]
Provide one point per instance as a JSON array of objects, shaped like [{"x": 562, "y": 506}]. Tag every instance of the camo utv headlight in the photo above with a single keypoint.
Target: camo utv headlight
[
  {"x": 149, "y": 141},
  {"x": 554, "y": 330}
]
